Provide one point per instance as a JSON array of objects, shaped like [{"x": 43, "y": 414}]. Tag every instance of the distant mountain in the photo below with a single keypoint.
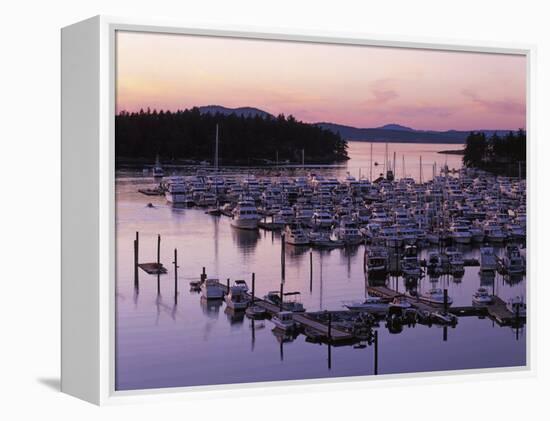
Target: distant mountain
[
  {"x": 396, "y": 127},
  {"x": 241, "y": 111},
  {"x": 389, "y": 133}
]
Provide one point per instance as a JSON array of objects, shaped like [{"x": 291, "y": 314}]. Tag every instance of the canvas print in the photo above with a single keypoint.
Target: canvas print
[{"x": 298, "y": 210}]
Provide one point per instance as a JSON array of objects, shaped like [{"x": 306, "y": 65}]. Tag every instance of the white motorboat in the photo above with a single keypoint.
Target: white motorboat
[
  {"x": 323, "y": 239},
  {"x": 371, "y": 304},
  {"x": 435, "y": 296},
  {"x": 347, "y": 232},
  {"x": 241, "y": 283},
  {"x": 513, "y": 262},
  {"x": 377, "y": 259},
  {"x": 175, "y": 190},
  {"x": 434, "y": 263},
  {"x": 322, "y": 219},
  {"x": 488, "y": 259},
  {"x": 290, "y": 300},
  {"x": 494, "y": 232},
  {"x": 456, "y": 259},
  {"x": 245, "y": 215},
  {"x": 460, "y": 234},
  {"x": 296, "y": 235},
  {"x": 284, "y": 320},
  {"x": 211, "y": 290},
  {"x": 410, "y": 266},
  {"x": 482, "y": 296},
  {"x": 236, "y": 299}
]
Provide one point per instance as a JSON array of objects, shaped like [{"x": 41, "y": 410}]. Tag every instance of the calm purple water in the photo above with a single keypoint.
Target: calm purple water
[{"x": 163, "y": 344}]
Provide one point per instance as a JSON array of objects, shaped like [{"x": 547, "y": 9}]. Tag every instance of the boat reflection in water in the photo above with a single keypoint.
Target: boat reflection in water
[
  {"x": 235, "y": 317},
  {"x": 245, "y": 240},
  {"x": 211, "y": 308}
]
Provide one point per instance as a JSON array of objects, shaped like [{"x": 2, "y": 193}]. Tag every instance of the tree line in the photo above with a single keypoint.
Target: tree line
[
  {"x": 190, "y": 135},
  {"x": 497, "y": 154}
]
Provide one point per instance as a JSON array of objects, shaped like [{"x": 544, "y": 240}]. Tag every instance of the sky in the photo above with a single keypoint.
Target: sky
[{"x": 359, "y": 86}]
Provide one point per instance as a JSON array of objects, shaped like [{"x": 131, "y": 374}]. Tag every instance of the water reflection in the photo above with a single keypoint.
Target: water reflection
[
  {"x": 210, "y": 308},
  {"x": 246, "y": 240},
  {"x": 235, "y": 317}
]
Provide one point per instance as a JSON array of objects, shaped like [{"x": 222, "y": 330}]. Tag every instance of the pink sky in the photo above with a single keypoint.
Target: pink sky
[{"x": 353, "y": 85}]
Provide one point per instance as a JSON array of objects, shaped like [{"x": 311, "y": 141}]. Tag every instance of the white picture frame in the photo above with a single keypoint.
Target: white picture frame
[{"x": 88, "y": 234}]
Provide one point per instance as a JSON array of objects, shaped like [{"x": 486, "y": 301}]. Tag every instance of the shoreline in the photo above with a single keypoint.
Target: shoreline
[{"x": 453, "y": 152}]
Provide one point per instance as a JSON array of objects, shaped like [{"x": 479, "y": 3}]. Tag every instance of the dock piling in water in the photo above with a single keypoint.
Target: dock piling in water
[
  {"x": 283, "y": 245},
  {"x": 310, "y": 270},
  {"x": 281, "y": 303},
  {"x": 376, "y": 352},
  {"x": 176, "y": 275},
  {"x": 136, "y": 260},
  {"x": 253, "y": 288}
]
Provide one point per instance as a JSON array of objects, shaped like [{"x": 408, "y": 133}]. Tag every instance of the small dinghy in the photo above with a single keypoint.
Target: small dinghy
[
  {"x": 256, "y": 312},
  {"x": 444, "y": 318},
  {"x": 482, "y": 297}
]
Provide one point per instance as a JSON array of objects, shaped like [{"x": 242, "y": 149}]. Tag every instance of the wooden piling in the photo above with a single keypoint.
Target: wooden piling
[
  {"x": 283, "y": 245},
  {"x": 253, "y": 288},
  {"x": 310, "y": 270},
  {"x": 158, "y": 250},
  {"x": 282, "y": 299},
  {"x": 375, "y": 352},
  {"x": 176, "y": 275},
  {"x": 136, "y": 263},
  {"x": 329, "y": 327},
  {"x": 158, "y": 264},
  {"x": 445, "y": 299}
]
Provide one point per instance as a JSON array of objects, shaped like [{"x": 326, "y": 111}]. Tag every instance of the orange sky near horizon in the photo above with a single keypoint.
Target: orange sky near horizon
[{"x": 353, "y": 85}]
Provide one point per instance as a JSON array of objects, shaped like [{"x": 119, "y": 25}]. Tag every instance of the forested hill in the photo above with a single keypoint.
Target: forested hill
[
  {"x": 397, "y": 133},
  {"x": 499, "y": 154},
  {"x": 252, "y": 139}
]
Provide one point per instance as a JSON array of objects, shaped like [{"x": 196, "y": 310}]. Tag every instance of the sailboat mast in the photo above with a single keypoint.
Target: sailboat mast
[
  {"x": 371, "y": 161},
  {"x": 216, "y": 153}
]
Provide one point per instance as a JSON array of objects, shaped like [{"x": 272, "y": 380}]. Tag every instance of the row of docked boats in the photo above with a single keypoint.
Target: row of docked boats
[
  {"x": 468, "y": 207},
  {"x": 237, "y": 298}
]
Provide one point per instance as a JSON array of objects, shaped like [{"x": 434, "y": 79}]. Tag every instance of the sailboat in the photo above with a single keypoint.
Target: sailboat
[{"x": 157, "y": 169}]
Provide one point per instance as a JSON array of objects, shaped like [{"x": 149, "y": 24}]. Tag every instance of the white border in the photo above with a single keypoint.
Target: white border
[{"x": 108, "y": 26}]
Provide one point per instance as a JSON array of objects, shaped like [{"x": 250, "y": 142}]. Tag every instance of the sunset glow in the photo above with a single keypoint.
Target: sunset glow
[{"x": 352, "y": 85}]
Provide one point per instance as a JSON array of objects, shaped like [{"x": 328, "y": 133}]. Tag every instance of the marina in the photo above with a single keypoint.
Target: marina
[{"x": 331, "y": 238}]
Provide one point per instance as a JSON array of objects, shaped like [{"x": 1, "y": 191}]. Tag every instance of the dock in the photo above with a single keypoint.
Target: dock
[
  {"x": 305, "y": 320},
  {"x": 153, "y": 268},
  {"x": 497, "y": 311}
]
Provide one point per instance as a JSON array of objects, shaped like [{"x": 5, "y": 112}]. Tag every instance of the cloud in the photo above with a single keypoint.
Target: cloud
[
  {"x": 381, "y": 92},
  {"x": 498, "y": 106}
]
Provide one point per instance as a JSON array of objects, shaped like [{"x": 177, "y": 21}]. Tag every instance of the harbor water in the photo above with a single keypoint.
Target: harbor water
[{"x": 171, "y": 340}]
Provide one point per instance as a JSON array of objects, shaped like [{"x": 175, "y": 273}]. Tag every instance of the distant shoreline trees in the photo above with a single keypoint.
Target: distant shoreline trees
[
  {"x": 190, "y": 135},
  {"x": 498, "y": 154}
]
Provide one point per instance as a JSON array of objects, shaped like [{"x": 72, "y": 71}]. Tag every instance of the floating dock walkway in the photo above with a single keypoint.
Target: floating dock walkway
[
  {"x": 496, "y": 310},
  {"x": 331, "y": 333}
]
